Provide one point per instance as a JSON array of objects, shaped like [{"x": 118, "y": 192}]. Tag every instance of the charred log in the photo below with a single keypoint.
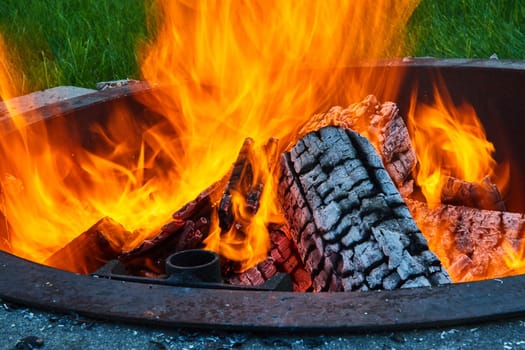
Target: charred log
[
  {"x": 483, "y": 195},
  {"x": 283, "y": 257},
  {"x": 240, "y": 180},
  {"x": 352, "y": 228},
  {"x": 191, "y": 224},
  {"x": 384, "y": 127},
  {"x": 470, "y": 241},
  {"x": 244, "y": 182},
  {"x": 93, "y": 248}
]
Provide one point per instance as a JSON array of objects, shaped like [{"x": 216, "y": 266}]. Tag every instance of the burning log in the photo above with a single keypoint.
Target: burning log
[
  {"x": 484, "y": 195},
  {"x": 86, "y": 253},
  {"x": 384, "y": 127},
  {"x": 241, "y": 181},
  {"x": 352, "y": 228},
  {"x": 191, "y": 224},
  {"x": 244, "y": 182},
  {"x": 470, "y": 239},
  {"x": 283, "y": 257}
]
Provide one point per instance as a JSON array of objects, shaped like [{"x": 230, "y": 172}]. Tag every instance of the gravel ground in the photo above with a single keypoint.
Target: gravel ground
[{"x": 24, "y": 328}]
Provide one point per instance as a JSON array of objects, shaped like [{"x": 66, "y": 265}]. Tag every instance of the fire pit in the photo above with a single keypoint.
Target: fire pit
[{"x": 492, "y": 87}]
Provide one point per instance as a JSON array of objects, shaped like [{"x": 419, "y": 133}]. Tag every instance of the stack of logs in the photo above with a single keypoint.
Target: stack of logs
[{"x": 345, "y": 190}]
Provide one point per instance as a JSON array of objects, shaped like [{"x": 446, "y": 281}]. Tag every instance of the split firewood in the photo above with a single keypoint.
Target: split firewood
[
  {"x": 470, "y": 241},
  {"x": 384, "y": 127},
  {"x": 243, "y": 181},
  {"x": 483, "y": 195},
  {"x": 93, "y": 248},
  {"x": 351, "y": 226},
  {"x": 240, "y": 180}
]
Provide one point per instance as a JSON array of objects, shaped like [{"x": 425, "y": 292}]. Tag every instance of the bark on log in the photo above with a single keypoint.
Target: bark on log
[
  {"x": 382, "y": 125},
  {"x": 93, "y": 248},
  {"x": 352, "y": 228},
  {"x": 470, "y": 241}
]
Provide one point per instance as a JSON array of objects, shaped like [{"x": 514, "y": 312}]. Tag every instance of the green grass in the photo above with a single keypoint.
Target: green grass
[
  {"x": 73, "y": 42},
  {"x": 469, "y": 29},
  {"x": 81, "y": 42}
]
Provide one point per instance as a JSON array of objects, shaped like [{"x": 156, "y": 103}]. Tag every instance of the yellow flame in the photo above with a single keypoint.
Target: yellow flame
[
  {"x": 225, "y": 71},
  {"x": 235, "y": 69},
  {"x": 449, "y": 141}
]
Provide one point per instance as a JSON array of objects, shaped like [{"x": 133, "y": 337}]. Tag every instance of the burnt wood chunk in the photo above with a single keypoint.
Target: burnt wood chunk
[
  {"x": 384, "y": 127},
  {"x": 93, "y": 248},
  {"x": 244, "y": 182},
  {"x": 483, "y": 195},
  {"x": 240, "y": 181},
  {"x": 282, "y": 257},
  {"x": 351, "y": 226},
  {"x": 470, "y": 241}
]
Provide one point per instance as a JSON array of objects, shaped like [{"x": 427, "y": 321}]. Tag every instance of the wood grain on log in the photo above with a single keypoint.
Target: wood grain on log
[
  {"x": 470, "y": 241},
  {"x": 93, "y": 248},
  {"x": 384, "y": 127},
  {"x": 352, "y": 228}
]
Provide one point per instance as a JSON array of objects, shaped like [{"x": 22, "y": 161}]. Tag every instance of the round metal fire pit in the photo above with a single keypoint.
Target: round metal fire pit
[{"x": 494, "y": 88}]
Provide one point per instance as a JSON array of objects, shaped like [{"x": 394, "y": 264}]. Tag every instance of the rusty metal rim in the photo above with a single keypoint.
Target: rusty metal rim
[{"x": 46, "y": 288}]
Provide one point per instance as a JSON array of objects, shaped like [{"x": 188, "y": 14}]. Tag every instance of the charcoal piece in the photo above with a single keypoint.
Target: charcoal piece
[
  {"x": 93, "y": 248},
  {"x": 391, "y": 245},
  {"x": 376, "y": 276},
  {"x": 342, "y": 249},
  {"x": 392, "y": 281},
  {"x": 409, "y": 267},
  {"x": 469, "y": 240},
  {"x": 420, "y": 281}
]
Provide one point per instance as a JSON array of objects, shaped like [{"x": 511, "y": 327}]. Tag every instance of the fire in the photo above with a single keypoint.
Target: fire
[
  {"x": 450, "y": 142},
  {"x": 228, "y": 70},
  {"x": 259, "y": 69},
  {"x": 222, "y": 72}
]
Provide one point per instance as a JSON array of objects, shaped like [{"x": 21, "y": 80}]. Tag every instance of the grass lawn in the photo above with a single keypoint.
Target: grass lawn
[
  {"x": 469, "y": 28},
  {"x": 73, "y": 42},
  {"x": 80, "y": 42}
]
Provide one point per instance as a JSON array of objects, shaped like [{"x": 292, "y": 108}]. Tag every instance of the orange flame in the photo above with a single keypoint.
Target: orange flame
[
  {"x": 258, "y": 69},
  {"x": 450, "y": 142},
  {"x": 228, "y": 70},
  {"x": 9, "y": 83}
]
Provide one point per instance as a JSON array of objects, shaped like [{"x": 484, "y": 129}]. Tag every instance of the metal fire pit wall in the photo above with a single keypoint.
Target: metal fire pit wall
[{"x": 494, "y": 88}]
